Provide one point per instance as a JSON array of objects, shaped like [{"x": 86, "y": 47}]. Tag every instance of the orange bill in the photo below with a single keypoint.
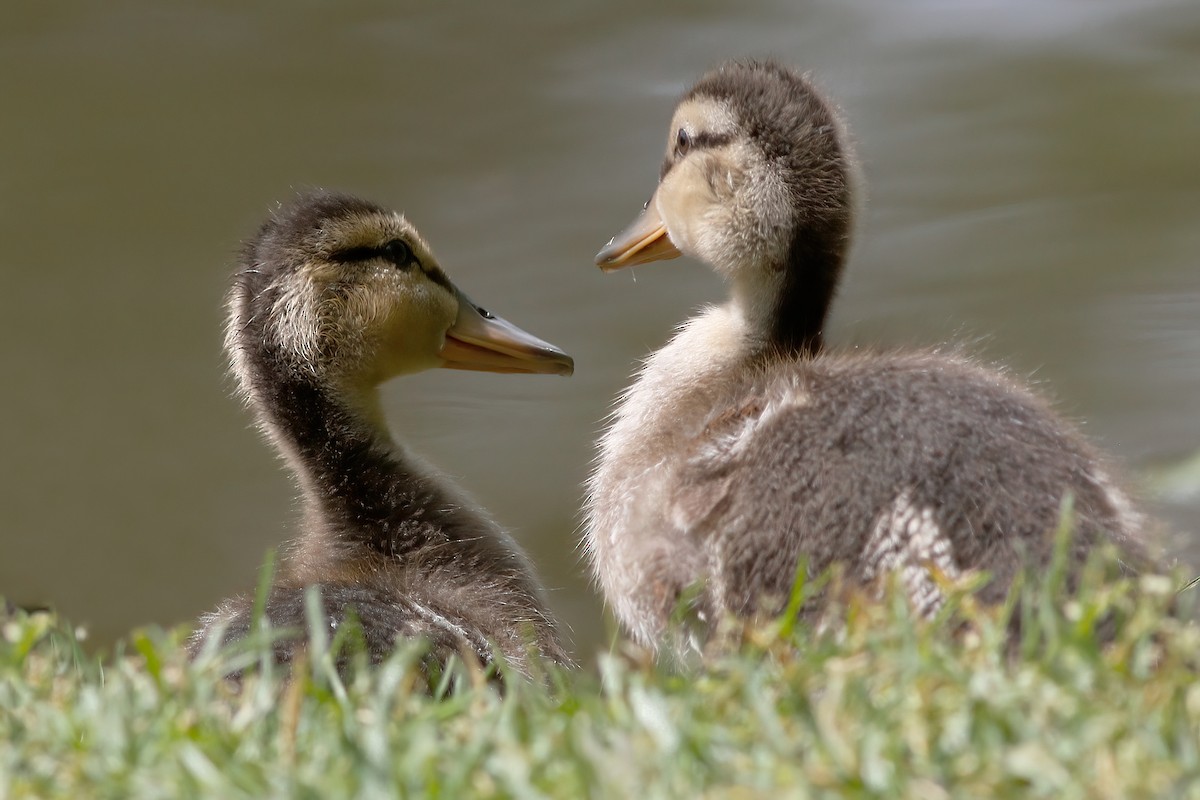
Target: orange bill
[
  {"x": 479, "y": 340},
  {"x": 643, "y": 241}
]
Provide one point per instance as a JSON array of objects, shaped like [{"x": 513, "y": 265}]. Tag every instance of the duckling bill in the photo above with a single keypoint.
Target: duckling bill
[
  {"x": 479, "y": 340},
  {"x": 334, "y": 296},
  {"x": 645, "y": 240}
]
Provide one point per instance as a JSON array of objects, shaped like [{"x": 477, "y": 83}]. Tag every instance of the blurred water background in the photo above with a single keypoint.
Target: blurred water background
[{"x": 1034, "y": 181}]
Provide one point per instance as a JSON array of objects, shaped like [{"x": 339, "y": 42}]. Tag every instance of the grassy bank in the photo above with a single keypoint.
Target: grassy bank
[{"x": 878, "y": 706}]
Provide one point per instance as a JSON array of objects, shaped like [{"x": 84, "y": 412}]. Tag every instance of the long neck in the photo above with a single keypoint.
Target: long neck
[
  {"x": 358, "y": 486},
  {"x": 794, "y": 309},
  {"x": 678, "y": 387}
]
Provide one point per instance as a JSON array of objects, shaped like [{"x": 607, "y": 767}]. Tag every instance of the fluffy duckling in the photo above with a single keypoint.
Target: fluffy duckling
[
  {"x": 742, "y": 446},
  {"x": 334, "y": 296}
]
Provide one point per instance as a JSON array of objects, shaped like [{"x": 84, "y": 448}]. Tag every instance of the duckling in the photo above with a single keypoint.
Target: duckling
[
  {"x": 334, "y": 296},
  {"x": 743, "y": 446}
]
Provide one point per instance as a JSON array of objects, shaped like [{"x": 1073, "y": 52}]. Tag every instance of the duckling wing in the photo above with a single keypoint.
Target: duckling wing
[{"x": 895, "y": 464}]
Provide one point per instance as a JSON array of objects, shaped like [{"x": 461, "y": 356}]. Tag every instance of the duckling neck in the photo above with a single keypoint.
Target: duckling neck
[
  {"x": 359, "y": 486},
  {"x": 785, "y": 306},
  {"x": 677, "y": 387}
]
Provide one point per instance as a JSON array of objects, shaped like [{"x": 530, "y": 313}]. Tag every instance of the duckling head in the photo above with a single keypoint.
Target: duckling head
[
  {"x": 340, "y": 290},
  {"x": 757, "y": 182}
]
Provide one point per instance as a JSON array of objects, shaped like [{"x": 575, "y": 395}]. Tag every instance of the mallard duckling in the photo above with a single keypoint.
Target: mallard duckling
[
  {"x": 743, "y": 447},
  {"x": 334, "y": 296}
]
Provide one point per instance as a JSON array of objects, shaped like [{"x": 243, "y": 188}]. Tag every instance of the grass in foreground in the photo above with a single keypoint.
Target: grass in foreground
[{"x": 880, "y": 707}]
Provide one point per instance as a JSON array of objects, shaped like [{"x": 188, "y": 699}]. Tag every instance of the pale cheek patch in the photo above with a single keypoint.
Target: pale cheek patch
[
  {"x": 906, "y": 539},
  {"x": 361, "y": 318},
  {"x": 297, "y": 321},
  {"x": 685, "y": 202},
  {"x": 740, "y": 211}
]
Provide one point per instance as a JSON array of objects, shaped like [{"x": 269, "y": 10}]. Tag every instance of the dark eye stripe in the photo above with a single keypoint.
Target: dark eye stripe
[
  {"x": 395, "y": 251},
  {"x": 700, "y": 141},
  {"x": 354, "y": 254},
  {"x": 707, "y": 139},
  {"x": 437, "y": 276}
]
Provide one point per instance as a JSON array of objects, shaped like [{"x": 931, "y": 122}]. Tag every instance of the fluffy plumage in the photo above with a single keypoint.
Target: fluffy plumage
[
  {"x": 334, "y": 296},
  {"x": 743, "y": 445}
]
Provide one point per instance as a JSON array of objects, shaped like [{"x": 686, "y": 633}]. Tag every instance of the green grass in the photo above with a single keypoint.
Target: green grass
[{"x": 876, "y": 705}]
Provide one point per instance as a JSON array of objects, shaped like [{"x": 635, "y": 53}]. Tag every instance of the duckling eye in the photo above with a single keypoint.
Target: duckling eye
[
  {"x": 683, "y": 142},
  {"x": 399, "y": 253}
]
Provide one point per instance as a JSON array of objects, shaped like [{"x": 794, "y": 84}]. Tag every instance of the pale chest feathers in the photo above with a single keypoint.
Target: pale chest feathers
[{"x": 678, "y": 430}]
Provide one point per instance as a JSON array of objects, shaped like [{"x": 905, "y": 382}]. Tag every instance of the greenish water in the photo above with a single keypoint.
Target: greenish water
[{"x": 1034, "y": 190}]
